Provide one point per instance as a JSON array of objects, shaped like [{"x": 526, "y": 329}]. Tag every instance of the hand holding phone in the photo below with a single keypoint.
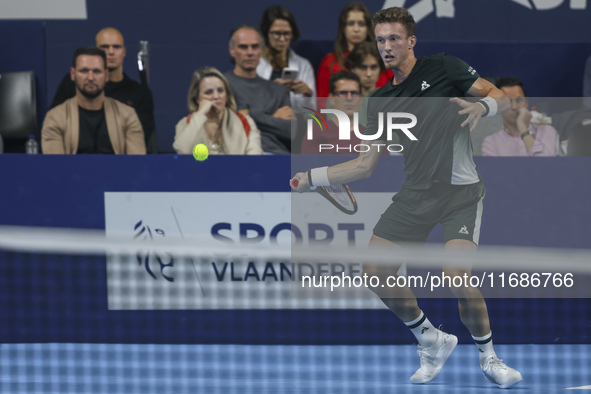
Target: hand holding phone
[{"x": 290, "y": 74}]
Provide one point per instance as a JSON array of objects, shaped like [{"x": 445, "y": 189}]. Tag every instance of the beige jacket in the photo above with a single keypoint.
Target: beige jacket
[
  {"x": 61, "y": 129},
  {"x": 235, "y": 140}
]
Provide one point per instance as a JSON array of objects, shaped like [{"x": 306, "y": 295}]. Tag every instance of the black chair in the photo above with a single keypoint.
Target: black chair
[
  {"x": 579, "y": 141},
  {"x": 18, "y": 110}
]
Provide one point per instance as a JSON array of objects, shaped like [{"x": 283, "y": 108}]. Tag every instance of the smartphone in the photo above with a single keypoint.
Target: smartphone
[{"x": 289, "y": 73}]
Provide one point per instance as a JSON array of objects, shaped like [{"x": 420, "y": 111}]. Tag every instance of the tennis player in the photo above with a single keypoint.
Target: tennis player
[{"x": 442, "y": 185}]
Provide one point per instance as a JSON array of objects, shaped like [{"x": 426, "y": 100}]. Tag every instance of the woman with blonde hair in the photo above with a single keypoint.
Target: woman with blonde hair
[{"x": 213, "y": 120}]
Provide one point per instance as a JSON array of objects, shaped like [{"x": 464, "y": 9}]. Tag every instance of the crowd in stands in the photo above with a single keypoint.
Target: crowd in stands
[{"x": 252, "y": 108}]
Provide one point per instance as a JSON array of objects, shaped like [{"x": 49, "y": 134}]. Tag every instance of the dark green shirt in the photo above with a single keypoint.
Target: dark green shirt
[{"x": 443, "y": 150}]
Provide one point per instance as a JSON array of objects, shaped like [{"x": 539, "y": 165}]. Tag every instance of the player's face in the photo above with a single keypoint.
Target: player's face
[
  {"x": 394, "y": 45},
  {"x": 347, "y": 96},
  {"x": 280, "y": 34},
  {"x": 111, "y": 42},
  {"x": 518, "y": 101},
  {"x": 356, "y": 28},
  {"x": 89, "y": 76},
  {"x": 368, "y": 72},
  {"x": 247, "y": 49},
  {"x": 213, "y": 89}
]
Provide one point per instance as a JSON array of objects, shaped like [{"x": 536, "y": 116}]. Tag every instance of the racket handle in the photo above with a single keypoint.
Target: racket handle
[{"x": 295, "y": 182}]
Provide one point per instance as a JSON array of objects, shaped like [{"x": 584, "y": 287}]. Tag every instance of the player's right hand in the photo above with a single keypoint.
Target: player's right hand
[
  {"x": 473, "y": 110},
  {"x": 299, "y": 183}
]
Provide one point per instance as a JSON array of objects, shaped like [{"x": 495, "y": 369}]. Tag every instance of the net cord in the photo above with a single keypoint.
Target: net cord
[{"x": 95, "y": 242}]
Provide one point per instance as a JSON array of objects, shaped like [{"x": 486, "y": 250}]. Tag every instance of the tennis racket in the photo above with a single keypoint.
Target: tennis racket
[{"x": 338, "y": 195}]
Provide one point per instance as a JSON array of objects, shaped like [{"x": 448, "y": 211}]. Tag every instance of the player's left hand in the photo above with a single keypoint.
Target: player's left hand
[
  {"x": 473, "y": 110},
  {"x": 299, "y": 182}
]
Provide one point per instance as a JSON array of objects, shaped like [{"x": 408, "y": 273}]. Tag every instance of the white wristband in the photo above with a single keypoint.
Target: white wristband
[
  {"x": 318, "y": 177},
  {"x": 490, "y": 105}
]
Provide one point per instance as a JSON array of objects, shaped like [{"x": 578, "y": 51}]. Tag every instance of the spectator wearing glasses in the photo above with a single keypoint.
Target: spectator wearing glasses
[
  {"x": 345, "y": 96},
  {"x": 279, "y": 30}
]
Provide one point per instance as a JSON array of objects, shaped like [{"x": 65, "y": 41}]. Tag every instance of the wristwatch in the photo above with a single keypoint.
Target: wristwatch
[{"x": 526, "y": 133}]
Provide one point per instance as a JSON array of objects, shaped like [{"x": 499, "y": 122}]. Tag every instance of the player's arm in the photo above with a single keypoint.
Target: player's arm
[
  {"x": 352, "y": 170},
  {"x": 493, "y": 102}
]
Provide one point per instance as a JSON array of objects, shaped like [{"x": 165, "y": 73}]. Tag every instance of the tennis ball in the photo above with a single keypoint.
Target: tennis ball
[{"x": 200, "y": 152}]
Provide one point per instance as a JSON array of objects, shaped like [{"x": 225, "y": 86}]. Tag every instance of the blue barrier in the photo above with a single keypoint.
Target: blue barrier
[{"x": 530, "y": 201}]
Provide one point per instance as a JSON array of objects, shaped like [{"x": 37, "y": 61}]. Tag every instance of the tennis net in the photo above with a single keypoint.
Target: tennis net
[{"x": 86, "y": 313}]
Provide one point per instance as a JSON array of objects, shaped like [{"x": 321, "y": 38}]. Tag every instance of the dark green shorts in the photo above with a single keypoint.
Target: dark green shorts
[{"x": 413, "y": 213}]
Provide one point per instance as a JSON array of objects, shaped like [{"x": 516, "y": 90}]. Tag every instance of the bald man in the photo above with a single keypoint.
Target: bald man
[{"x": 119, "y": 86}]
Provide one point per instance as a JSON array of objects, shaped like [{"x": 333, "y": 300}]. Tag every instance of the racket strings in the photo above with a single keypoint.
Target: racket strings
[{"x": 340, "y": 194}]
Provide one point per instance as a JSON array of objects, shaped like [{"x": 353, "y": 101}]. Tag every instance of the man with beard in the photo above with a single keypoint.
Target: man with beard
[
  {"x": 119, "y": 86},
  {"x": 90, "y": 122}
]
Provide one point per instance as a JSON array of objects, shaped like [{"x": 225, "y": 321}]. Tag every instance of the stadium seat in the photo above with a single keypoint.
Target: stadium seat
[{"x": 18, "y": 109}]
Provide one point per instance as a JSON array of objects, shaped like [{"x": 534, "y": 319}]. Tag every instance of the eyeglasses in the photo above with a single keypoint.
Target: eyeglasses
[
  {"x": 278, "y": 34},
  {"x": 346, "y": 93}
]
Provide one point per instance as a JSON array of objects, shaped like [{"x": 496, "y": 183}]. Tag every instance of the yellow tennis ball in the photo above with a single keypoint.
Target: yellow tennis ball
[{"x": 200, "y": 152}]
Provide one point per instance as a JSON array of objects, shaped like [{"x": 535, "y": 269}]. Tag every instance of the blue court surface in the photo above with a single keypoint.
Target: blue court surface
[{"x": 130, "y": 369}]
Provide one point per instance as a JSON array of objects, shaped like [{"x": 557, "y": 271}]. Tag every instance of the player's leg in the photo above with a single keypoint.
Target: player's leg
[
  {"x": 400, "y": 300},
  {"x": 435, "y": 346},
  {"x": 471, "y": 303},
  {"x": 461, "y": 229},
  {"x": 474, "y": 315},
  {"x": 405, "y": 221}
]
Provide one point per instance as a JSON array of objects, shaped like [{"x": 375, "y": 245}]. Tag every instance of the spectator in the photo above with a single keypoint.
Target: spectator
[
  {"x": 213, "y": 120},
  {"x": 354, "y": 28},
  {"x": 345, "y": 96},
  {"x": 365, "y": 61},
  {"x": 279, "y": 30},
  {"x": 119, "y": 86},
  {"x": 265, "y": 101},
  {"x": 519, "y": 137},
  {"x": 90, "y": 122}
]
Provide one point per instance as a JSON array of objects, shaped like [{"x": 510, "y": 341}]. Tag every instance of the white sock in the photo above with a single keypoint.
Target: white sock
[
  {"x": 485, "y": 346},
  {"x": 423, "y": 330}
]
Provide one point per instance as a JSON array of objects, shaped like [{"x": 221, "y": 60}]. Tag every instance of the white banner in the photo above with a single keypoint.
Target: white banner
[
  {"x": 171, "y": 282},
  {"x": 43, "y": 9}
]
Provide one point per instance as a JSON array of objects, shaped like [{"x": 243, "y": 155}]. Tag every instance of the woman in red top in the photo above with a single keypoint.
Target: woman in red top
[{"x": 354, "y": 27}]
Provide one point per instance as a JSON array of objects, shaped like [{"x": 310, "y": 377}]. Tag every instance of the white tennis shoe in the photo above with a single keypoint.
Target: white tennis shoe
[
  {"x": 497, "y": 372},
  {"x": 433, "y": 358}
]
